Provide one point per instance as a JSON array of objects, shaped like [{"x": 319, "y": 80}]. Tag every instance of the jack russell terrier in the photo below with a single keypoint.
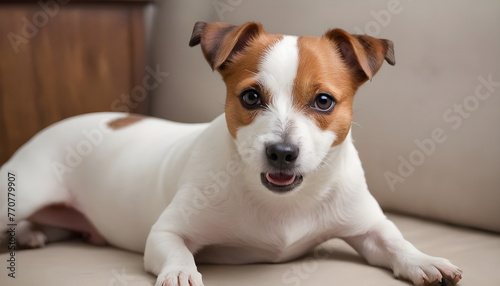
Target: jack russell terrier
[{"x": 265, "y": 182}]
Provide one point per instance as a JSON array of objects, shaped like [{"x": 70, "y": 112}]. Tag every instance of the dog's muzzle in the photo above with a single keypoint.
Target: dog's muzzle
[{"x": 282, "y": 158}]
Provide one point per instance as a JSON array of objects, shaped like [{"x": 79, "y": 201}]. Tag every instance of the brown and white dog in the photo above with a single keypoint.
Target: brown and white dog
[{"x": 264, "y": 182}]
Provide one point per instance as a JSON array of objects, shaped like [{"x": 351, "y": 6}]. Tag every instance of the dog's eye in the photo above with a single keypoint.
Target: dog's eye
[
  {"x": 251, "y": 99},
  {"x": 324, "y": 102}
]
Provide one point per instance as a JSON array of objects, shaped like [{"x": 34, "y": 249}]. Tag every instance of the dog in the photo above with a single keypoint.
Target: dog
[{"x": 266, "y": 181}]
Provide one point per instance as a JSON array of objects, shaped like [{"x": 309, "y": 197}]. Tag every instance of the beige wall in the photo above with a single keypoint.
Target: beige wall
[{"x": 445, "y": 50}]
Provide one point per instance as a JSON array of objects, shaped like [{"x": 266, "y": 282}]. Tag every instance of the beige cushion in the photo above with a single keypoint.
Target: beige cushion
[
  {"x": 442, "y": 49},
  {"x": 76, "y": 263}
]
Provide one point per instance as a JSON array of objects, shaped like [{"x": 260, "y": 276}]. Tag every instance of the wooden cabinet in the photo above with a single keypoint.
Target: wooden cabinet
[{"x": 61, "y": 58}]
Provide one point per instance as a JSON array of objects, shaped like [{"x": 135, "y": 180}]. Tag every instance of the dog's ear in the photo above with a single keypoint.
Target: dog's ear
[
  {"x": 363, "y": 54},
  {"x": 220, "y": 41}
]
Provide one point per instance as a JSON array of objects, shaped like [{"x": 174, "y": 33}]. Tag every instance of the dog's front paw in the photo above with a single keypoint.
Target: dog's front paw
[
  {"x": 179, "y": 277},
  {"x": 428, "y": 270}
]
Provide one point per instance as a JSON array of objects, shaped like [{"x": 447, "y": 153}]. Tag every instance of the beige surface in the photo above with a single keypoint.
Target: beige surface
[
  {"x": 75, "y": 263},
  {"x": 441, "y": 47}
]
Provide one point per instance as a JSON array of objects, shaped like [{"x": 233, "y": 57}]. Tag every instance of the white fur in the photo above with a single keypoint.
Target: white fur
[
  {"x": 277, "y": 72},
  {"x": 174, "y": 190}
]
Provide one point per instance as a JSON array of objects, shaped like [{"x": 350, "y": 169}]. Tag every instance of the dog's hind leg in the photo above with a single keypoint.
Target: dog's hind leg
[
  {"x": 27, "y": 185},
  {"x": 28, "y": 236},
  {"x": 62, "y": 216}
]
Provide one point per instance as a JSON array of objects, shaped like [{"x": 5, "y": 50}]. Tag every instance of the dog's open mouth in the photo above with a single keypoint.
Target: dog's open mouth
[{"x": 280, "y": 182}]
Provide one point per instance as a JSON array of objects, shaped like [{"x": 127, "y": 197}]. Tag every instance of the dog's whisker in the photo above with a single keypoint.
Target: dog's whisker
[
  {"x": 252, "y": 72},
  {"x": 355, "y": 123}
]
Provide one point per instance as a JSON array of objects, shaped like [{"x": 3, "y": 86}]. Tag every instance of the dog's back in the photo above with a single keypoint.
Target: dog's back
[{"x": 58, "y": 166}]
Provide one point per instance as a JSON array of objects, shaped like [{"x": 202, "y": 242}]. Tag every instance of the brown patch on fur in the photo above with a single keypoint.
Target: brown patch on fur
[
  {"x": 363, "y": 54},
  {"x": 235, "y": 52},
  {"x": 337, "y": 63},
  {"x": 220, "y": 41},
  {"x": 125, "y": 121},
  {"x": 321, "y": 69},
  {"x": 239, "y": 75}
]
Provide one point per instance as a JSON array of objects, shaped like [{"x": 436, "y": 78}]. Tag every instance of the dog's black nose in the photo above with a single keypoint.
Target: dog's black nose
[{"x": 282, "y": 155}]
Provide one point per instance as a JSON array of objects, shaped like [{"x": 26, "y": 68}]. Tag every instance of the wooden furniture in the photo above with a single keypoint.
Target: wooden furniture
[{"x": 64, "y": 58}]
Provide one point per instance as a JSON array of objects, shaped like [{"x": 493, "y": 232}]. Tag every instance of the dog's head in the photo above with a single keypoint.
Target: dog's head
[{"x": 289, "y": 99}]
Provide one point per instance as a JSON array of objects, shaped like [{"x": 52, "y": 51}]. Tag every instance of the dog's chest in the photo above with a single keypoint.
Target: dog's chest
[{"x": 266, "y": 239}]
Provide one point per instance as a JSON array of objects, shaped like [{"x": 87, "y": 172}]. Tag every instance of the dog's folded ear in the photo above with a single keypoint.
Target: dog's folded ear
[
  {"x": 220, "y": 41},
  {"x": 362, "y": 53}
]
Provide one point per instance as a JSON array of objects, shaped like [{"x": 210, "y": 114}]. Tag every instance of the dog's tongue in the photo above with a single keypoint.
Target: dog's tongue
[{"x": 280, "y": 179}]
